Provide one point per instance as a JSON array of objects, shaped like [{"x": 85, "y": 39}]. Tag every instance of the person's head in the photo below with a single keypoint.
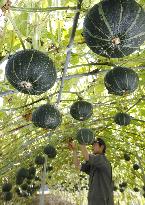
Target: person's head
[{"x": 99, "y": 146}]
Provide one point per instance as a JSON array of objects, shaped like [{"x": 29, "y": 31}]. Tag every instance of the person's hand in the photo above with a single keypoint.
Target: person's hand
[{"x": 71, "y": 145}]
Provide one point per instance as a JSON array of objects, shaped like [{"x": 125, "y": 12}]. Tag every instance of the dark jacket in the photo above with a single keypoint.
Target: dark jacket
[{"x": 100, "y": 180}]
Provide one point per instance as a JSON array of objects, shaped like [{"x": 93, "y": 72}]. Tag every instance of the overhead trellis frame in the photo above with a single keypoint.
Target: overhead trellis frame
[
  {"x": 138, "y": 101},
  {"x": 69, "y": 48},
  {"x": 52, "y": 8}
]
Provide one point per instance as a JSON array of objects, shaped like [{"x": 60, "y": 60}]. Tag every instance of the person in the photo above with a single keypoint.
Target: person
[{"x": 99, "y": 169}]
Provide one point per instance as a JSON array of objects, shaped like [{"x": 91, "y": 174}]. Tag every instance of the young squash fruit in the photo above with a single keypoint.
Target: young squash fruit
[
  {"x": 85, "y": 136},
  {"x": 30, "y": 72},
  {"x": 6, "y": 187},
  {"x": 115, "y": 28},
  {"x": 50, "y": 151},
  {"x": 121, "y": 81},
  {"x": 136, "y": 166},
  {"x": 22, "y": 173},
  {"x": 8, "y": 196},
  {"x": 122, "y": 119},
  {"x": 32, "y": 170},
  {"x": 46, "y": 116},
  {"x": 39, "y": 160},
  {"x": 126, "y": 157},
  {"x": 19, "y": 180},
  {"x": 81, "y": 110},
  {"x": 135, "y": 189},
  {"x": 24, "y": 186}
]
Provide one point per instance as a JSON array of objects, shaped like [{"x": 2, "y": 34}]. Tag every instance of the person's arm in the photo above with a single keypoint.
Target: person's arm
[
  {"x": 84, "y": 167},
  {"x": 76, "y": 160},
  {"x": 84, "y": 152},
  {"x": 95, "y": 160}
]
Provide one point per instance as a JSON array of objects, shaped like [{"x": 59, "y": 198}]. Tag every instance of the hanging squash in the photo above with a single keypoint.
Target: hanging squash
[
  {"x": 126, "y": 157},
  {"x": 22, "y": 173},
  {"x": 115, "y": 28},
  {"x": 8, "y": 196},
  {"x": 121, "y": 81},
  {"x": 85, "y": 136},
  {"x": 32, "y": 172},
  {"x": 24, "y": 186},
  {"x": 46, "y": 116},
  {"x": 50, "y": 151},
  {"x": 122, "y": 119},
  {"x": 19, "y": 180},
  {"x": 136, "y": 166},
  {"x": 81, "y": 110},
  {"x": 30, "y": 72},
  {"x": 39, "y": 160},
  {"x": 6, "y": 187}
]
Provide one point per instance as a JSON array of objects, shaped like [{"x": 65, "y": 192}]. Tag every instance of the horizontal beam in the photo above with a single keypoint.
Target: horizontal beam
[{"x": 49, "y": 9}]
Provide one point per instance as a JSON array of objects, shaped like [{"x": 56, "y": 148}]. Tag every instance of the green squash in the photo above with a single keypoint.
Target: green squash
[
  {"x": 122, "y": 190},
  {"x": 85, "y": 136},
  {"x": 17, "y": 190},
  {"x": 6, "y": 187},
  {"x": 135, "y": 189},
  {"x": 136, "y": 166},
  {"x": 8, "y": 196},
  {"x": 115, "y": 188},
  {"x": 19, "y": 180},
  {"x": 126, "y": 157},
  {"x": 50, "y": 151},
  {"x": 30, "y": 72},
  {"x": 32, "y": 170},
  {"x": 81, "y": 110},
  {"x": 121, "y": 81},
  {"x": 115, "y": 28},
  {"x": 29, "y": 180},
  {"x": 39, "y": 160},
  {"x": 46, "y": 116},
  {"x": 124, "y": 184},
  {"x": 24, "y": 186},
  {"x": 22, "y": 173},
  {"x": 31, "y": 174},
  {"x": 122, "y": 119}
]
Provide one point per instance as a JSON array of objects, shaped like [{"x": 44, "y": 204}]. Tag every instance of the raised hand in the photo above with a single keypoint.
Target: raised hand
[{"x": 71, "y": 145}]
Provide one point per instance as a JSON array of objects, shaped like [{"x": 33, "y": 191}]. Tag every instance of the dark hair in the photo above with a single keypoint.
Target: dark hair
[{"x": 100, "y": 142}]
